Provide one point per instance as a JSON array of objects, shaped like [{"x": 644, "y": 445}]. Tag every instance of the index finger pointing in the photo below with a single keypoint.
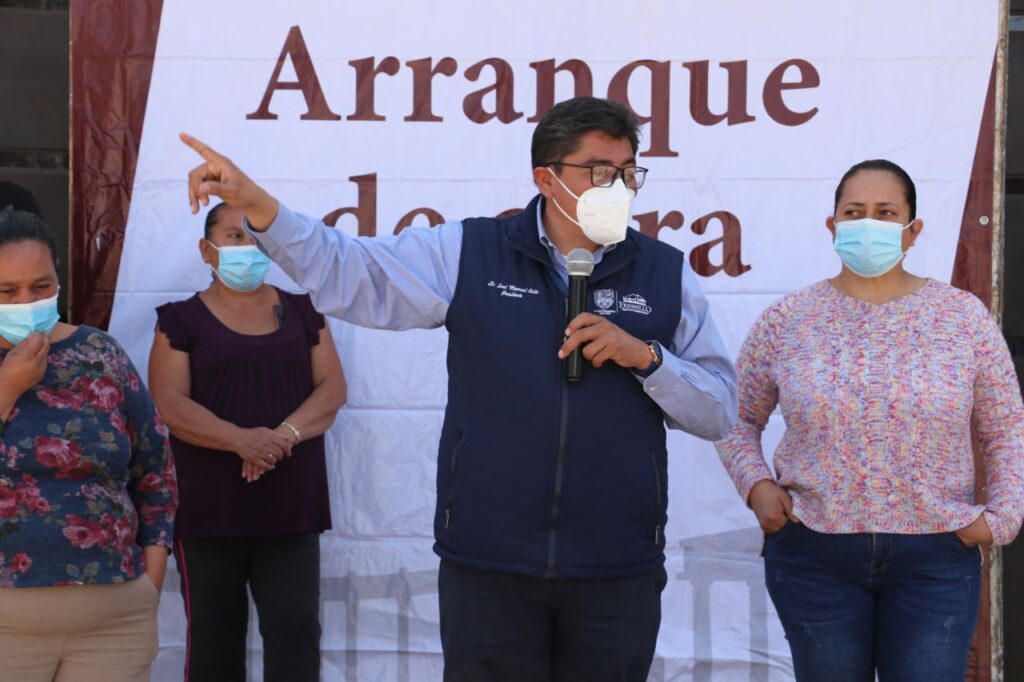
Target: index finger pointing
[{"x": 200, "y": 148}]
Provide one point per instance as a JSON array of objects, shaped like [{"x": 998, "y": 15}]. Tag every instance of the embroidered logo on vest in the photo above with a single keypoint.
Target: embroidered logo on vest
[
  {"x": 634, "y": 303},
  {"x": 604, "y": 299}
]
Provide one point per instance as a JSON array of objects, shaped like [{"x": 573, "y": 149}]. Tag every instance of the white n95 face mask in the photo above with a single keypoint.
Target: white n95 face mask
[{"x": 602, "y": 212}]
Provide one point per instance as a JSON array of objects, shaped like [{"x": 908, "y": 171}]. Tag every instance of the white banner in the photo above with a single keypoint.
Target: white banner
[{"x": 756, "y": 109}]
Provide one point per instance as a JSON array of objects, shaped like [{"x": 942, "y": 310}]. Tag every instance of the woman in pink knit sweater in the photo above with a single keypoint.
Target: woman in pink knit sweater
[{"x": 871, "y": 521}]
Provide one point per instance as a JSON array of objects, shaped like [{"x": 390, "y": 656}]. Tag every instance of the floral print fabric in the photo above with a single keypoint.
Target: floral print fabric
[{"x": 86, "y": 473}]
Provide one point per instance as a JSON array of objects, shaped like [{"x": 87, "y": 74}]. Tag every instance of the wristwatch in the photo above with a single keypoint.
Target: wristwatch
[{"x": 654, "y": 348}]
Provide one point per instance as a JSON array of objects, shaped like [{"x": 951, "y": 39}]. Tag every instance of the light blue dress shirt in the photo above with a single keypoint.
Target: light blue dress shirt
[{"x": 407, "y": 281}]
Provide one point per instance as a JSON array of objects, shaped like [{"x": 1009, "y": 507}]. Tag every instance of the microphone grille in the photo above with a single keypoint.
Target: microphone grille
[{"x": 580, "y": 262}]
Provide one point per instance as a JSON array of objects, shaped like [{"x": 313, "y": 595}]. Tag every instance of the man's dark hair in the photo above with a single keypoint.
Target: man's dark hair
[
  {"x": 558, "y": 133},
  {"x": 909, "y": 191},
  {"x": 22, "y": 226},
  {"x": 211, "y": 219}
]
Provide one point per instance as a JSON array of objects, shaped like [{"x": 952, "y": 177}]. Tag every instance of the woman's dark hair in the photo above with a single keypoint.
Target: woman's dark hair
[
  {"x": 22, "y": 226},
  {"x": 558, "y": 133},
  {"x": 909, "y": 191},
  {"x": 211, "y": 219}
]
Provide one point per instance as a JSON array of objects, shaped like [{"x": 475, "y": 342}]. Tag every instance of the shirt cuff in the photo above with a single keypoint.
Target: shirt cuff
[
  {"x": 159, "y": 534},
  {"x": 280, "y": 231},
  {"x": 654, "y": 366},
  {"x": 1002, "y": 531},
  {"x": 745, "y": 483}
]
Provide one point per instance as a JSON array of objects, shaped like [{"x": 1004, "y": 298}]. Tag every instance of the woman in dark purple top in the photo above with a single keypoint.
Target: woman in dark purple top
[{"x": 248, "y": 379}]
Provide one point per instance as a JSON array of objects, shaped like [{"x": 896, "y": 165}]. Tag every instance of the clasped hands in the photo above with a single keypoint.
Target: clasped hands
[{"x": 261, "y": 449}]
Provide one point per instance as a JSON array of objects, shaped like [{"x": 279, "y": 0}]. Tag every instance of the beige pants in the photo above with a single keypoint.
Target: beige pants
[{"x": 78, "y": 633}]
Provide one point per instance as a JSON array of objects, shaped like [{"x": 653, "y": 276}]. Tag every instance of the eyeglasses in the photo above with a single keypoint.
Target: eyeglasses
[{"x": 604, "y": 174}]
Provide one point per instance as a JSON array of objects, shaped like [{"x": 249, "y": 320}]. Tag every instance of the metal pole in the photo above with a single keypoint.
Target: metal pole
[{"x": 998, "y": 233}]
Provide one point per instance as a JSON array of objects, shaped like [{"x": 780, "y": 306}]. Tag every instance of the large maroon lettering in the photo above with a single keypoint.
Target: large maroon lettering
[
  {"x": 365, "y": 210},
  {"x": 308, "y": 83},
  {"x": 651, "y": 226},
  {"x": 582, "y": 81},
  {"x": 504, "y": 80},
  {"x": 432, "y": 216},
  {"x": 423, "y": 72},
  {"x": 366, "y": 78},
  {"x": 618, "y": 89},
  {"x": 775, "y": 84},
  {"x": 700, "y": 256},
  {"x": 736, "y": 103}
]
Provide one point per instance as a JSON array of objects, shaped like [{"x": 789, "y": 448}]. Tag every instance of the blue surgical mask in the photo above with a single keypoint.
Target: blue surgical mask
[
  {"x": 241, "y": 268},
  {"x": 18, "y": 320},
  {"x": 869, "y": 247}
]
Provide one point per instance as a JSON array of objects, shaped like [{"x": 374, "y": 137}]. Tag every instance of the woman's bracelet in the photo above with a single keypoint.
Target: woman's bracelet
[{"x": 295, "y": 432}]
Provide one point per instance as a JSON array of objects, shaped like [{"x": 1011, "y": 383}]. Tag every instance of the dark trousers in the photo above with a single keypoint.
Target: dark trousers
[
  {"x": 498, "y": 627},
  {"x": 283, "y": 573},
  {"x": 902, "y": 605}
]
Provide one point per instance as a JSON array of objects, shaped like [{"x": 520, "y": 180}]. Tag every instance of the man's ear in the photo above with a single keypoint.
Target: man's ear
[{"x": 544, "y": 181}]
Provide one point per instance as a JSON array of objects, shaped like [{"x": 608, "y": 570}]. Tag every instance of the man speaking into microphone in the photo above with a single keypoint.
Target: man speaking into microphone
[{"x": 551, "y": 493}]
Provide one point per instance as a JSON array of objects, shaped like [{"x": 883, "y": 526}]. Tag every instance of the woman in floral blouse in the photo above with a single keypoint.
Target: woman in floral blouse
[
  {"x": 871, "y": 520},
  {"x": 87, "y": 487}
]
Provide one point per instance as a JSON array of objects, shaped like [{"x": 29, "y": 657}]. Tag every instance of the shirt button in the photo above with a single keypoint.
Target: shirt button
[{"x": 652, "y": 389}]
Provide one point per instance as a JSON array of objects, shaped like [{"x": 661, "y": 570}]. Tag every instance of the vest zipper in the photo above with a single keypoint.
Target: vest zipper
[
  {"x": 657, "y": 479},
  {"x": 451, "y": 484},
  {"x": 556, "y": 498},
  {"x": 657, "y": 495},
  {"x": 556, "y": 501}
]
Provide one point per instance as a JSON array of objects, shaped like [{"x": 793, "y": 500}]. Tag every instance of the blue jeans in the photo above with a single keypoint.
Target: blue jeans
[{"x": 902, "y": 605}]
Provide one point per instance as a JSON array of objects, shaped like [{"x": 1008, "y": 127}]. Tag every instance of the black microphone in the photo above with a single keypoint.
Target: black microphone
[
  {"x": 580, "y": 264},
  {"x": 279, "y": 315}
]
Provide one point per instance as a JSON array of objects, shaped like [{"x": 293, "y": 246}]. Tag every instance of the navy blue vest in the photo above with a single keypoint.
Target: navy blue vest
[{"x": 536, "y": 475}]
